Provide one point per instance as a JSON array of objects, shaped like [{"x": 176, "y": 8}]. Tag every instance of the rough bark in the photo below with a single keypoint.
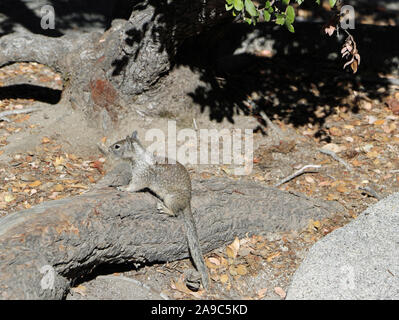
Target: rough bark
[
  {"x": 104, "y": 72},
  {"x": 153, "y": 34},
  {"x": 43, "y": 250}
]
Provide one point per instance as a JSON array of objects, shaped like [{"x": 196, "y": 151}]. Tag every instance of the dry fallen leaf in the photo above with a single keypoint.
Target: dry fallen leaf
[
  {"x": 334, "y": 131},
  {"x": 79, "y": 186},
  {"x": 34, "y": 184},
  {"x": 224, "y": 278},
  {"x": 214, "y": 261},
  {"x": 261, "y": 293},
  {"x": 58, "y": 161},
  {"x": 98, "y": 165},
  {"x": 8, "y": 197},
  {"x": 332, "y": 196},
  {"x": 58, "y": 188},
  {"x": 324, "y": 183},
  {"x": 393, "y": 103},
  {"x": 233, "y": 271},
  {"x": 215, "y": 276},
  {"x": 334, "y": 147},
  {"x": 309, "y": 180},
  {"x": 22, "y": 118},
  {"x": 280, "y": 291},
  {"x": 241, "y": 269},
  {"x": 379, "y": 122},
  {"x": 206, "y": 175},
  {"x": 232, "y": 249},
  {"x": 211, "y": 265},
  {"x": 81, "y": 289},
  {"x": 180, "y": 286},
  {"x": 389, "y": 128},
  {"x": 372, "y": 154},
  {"x": 226, "y": 170},
  {"x": 329, "y": 30},
  {"x": 342, "y": 189},
  {"x": 46, "y": 140},
  {"x": 72, "y": 157},
  {"x": 272, "y": 256}
]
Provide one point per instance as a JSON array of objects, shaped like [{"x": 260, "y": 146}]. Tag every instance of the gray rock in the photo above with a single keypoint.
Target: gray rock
[
  {"x": 112, "y": 287},
  {"x": 357, "y": 261}
]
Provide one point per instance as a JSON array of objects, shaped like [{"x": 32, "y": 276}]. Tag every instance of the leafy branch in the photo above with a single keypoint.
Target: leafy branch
[
  {"x": 278, "y": 11},
  {"x": 282, "y": 13}
]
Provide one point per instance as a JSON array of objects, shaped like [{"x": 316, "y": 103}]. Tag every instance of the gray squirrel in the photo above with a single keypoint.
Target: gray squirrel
[{"x": 170, "y": 182}]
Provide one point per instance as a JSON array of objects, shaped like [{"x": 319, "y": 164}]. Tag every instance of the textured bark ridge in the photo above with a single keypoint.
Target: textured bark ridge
[
  {"x": 105, "y": 72},
  {"x": 45, "y": 248}
]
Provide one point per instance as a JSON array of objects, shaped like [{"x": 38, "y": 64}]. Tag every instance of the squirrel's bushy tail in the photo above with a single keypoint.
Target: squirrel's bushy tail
[{"x": 195, "y": 247}]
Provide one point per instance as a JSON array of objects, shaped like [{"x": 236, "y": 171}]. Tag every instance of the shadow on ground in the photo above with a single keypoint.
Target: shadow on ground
[{"x": 297, "y": 78}]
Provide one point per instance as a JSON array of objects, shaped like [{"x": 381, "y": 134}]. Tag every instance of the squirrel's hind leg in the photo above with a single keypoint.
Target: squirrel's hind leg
[{"x": 164, "y": 209}]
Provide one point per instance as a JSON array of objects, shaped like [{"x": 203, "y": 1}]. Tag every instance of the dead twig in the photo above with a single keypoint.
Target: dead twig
[
  {"x": 195, "y": 125},
  {"x": 4, "y": 114},
  {"x": 251, "y": 105},
  {"x": 349, "y": 49},
  {"x": 333, "y": 155},
  {"x": 297, "y": 173},
  {"x": 5, "y": 119},
  {"x": 370, "y": 191}
]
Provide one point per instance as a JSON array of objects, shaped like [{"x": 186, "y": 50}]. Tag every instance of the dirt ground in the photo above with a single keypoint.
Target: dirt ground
[{"x": 50, "y": 154}]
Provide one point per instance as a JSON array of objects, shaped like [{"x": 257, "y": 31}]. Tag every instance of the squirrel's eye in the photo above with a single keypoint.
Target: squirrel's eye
[{"x": 117, "y": 146}]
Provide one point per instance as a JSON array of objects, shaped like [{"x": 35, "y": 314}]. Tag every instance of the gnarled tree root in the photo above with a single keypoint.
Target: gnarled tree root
[{"x": 45, "y": 248}]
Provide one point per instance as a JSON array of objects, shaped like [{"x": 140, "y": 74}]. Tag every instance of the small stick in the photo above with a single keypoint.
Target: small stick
[
  {"x": 371, "y": 192},
  {"x": 5, "y": 119},
  {"x": 195, "y": 124},
  {"x": 333, "y": 155},
  {"x": 4, "y": 114},
  {"x": 297, "y": 173}
]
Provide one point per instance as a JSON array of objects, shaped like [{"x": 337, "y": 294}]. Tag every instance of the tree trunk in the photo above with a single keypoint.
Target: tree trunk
[
  {"x": 104, "y": 73},
  {"x": 43, "y": 250},
  {"x": 108, "y": 74}
]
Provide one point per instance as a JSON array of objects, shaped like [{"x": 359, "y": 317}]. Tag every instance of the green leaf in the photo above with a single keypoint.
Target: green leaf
[
  {"x": 286, "y": 2},
  {"x": 267, "y": 4},
  {"x": 332, "y": 3},
  {"x": 238, "y": 5},
  {"x": 318, "y": 2},
  {"x": 290, "y": 27},
  {"x": 229, "y": 2},
  {"x": 280, "y": 20},
  {"x": 290, "y": 13},
  {"x": 248, "y": 20},
  {"x": 301, "y": 1},
  {"x": 271, "y": 10},
  {"x": 266, "y": 15},
  {"x": 250, "y": 7},
  {"x": 228, "y": 7}
]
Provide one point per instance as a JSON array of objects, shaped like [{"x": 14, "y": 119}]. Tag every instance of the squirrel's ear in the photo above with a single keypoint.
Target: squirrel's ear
[{"x": 134, "y": 135}]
